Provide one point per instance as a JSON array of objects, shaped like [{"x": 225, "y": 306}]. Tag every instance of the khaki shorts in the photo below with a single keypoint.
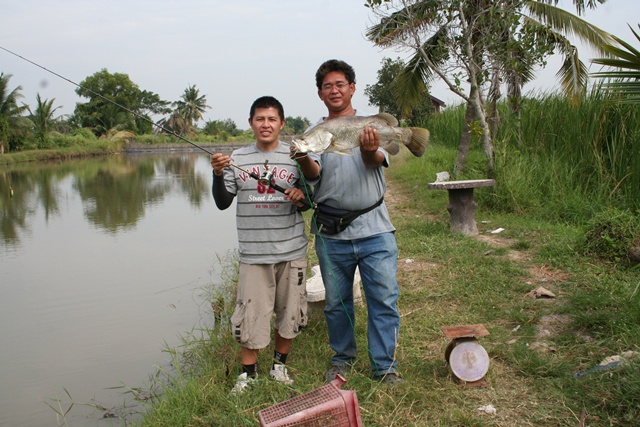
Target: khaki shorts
[{"x": 264, "y": 289}]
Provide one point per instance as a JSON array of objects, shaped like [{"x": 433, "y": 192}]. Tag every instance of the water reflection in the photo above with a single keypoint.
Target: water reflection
[
  {"x": 102, "y": 263},
  {"x": 115, "y": 191}
]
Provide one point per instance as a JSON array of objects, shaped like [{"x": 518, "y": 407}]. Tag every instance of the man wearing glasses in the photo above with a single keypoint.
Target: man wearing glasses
[{"x": 354, "y": 183}]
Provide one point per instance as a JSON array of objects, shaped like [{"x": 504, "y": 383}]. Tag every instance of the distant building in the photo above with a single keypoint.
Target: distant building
[{"x": 437, "y": 103}]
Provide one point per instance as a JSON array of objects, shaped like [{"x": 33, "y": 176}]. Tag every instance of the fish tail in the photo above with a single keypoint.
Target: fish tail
[{"x": 418, "y": 141}]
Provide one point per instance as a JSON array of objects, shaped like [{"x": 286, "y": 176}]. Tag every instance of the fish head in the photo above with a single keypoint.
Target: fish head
[{"x": 314, "y": 141}]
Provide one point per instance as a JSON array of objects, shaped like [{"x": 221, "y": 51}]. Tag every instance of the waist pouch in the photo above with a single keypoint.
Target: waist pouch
[{"x": 330, "y": 220}]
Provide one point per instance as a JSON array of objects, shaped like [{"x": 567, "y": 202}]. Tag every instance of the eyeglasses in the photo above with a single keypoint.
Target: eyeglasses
[{"x": 340, "y": 86}]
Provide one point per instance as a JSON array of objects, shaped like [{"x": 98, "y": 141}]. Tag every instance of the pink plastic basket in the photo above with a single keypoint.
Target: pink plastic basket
[{"x": 322, "y": 407}]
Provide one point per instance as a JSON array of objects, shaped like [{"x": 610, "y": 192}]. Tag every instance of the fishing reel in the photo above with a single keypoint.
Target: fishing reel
[
  {"x": 266, "y": 180},
  {"x": 267, "y": 174}
]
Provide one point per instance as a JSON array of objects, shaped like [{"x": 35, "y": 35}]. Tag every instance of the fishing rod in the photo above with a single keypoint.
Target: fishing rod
[{"x": 265, "y": 179}]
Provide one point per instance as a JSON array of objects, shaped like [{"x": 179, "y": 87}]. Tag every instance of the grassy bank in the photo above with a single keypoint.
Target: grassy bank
[
  {"x": 96, "y": 148},
  {"x": 106, "y": 147},
  {"x": 536, "y": 345},
  {"x": 569, "y": 164}
]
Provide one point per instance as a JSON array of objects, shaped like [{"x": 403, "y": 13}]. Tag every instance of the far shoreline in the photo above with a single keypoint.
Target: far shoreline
[
  {"x": 75, "y": 153},
  {"x": 182, "y": 147},
  {"x": 122, "y": 147}
]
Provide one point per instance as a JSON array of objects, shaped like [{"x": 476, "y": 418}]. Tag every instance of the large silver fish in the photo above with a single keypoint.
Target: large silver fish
[{"x": 341, "y": 134}]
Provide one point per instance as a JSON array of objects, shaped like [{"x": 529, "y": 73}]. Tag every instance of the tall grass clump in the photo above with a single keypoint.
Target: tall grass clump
[
  {"x": 445, "y": 129},
  {"x": 558, "y": 160},
  {"x": 611, "y": 234},
  {"x": 575, "y": 159}
]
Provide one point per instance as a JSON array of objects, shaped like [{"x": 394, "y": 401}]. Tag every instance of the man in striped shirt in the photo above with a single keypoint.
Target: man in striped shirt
[{"x": 272, "y": 244}]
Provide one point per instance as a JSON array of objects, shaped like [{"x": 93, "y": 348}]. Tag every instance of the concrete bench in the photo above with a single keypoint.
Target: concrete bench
[{"x": 462, "y": 207}]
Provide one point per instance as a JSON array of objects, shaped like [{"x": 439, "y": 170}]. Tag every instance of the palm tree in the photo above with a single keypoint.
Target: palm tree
[
  {"x": 12, "y": 123},
  {"x": 176, "y": 124},
  {"x": 42, "y": 118},
  {"x": 482, "y": 42},
  {"x": 112, "y": 118},
  {"x": 624, "y": 78},
  {"x": 556, "y": 24},
  {"x": 540, "y": 21},
  {"x": 191, "y": 106}
]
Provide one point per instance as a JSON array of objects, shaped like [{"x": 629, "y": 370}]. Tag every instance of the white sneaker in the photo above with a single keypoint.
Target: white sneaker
[
  {"x": 279, "y": 373},
  {"x": 242, "y": 383}
]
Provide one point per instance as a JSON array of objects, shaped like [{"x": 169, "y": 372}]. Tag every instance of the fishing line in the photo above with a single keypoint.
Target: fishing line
[
  {"x": 253, "y": 175},
  {"x": 148, "y": 120}
]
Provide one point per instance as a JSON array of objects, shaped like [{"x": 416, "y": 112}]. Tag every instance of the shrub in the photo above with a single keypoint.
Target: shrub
[
  {"x": 612, "y": 233},
  {"x": 84, "y": 133}
]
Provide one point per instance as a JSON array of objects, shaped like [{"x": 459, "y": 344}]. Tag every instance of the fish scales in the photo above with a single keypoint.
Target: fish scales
[{"x": 342, "y": 134}]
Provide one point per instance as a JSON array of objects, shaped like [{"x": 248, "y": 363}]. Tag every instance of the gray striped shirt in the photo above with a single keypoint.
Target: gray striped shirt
[{"x": 270, "y": 229}]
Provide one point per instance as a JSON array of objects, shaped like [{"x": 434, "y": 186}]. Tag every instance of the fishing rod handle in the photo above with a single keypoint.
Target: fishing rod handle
[{"x": 305, "y": 202}]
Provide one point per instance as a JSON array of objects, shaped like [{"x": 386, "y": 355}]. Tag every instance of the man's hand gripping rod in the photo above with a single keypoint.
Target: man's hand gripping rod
[{"x": 265, "y": 179}]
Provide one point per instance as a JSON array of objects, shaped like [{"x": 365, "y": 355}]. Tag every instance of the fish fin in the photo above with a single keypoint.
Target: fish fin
[
  {"x": 392, "y": 148},
  {"x": 418, "y": 142},
  {"x": 391, "y": 121},
  {"x": 340, "y": 146}
]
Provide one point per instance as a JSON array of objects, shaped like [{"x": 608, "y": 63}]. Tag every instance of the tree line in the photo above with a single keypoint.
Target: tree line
[{"x": 114, "y": 104}]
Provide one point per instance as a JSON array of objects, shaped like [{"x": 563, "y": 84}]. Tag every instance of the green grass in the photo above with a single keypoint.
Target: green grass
[{"x": 560, "y": 161}]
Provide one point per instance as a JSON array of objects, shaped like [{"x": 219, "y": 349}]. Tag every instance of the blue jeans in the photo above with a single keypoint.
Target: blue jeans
[{"x": 377, "y": 258}]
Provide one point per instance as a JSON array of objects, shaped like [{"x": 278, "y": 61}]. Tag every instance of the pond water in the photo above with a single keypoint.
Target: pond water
[{"x": 104, "y": 263}]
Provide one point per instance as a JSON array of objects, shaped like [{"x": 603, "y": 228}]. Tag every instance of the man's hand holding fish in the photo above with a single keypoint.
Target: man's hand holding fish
[{"x": 369, "y": 144}]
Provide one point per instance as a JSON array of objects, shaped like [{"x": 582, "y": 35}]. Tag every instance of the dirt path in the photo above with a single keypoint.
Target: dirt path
[{"x": 540, "y": 275}]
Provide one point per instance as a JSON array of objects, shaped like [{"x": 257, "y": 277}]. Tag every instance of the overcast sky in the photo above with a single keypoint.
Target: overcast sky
[{"x": 233, "y": 51}]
